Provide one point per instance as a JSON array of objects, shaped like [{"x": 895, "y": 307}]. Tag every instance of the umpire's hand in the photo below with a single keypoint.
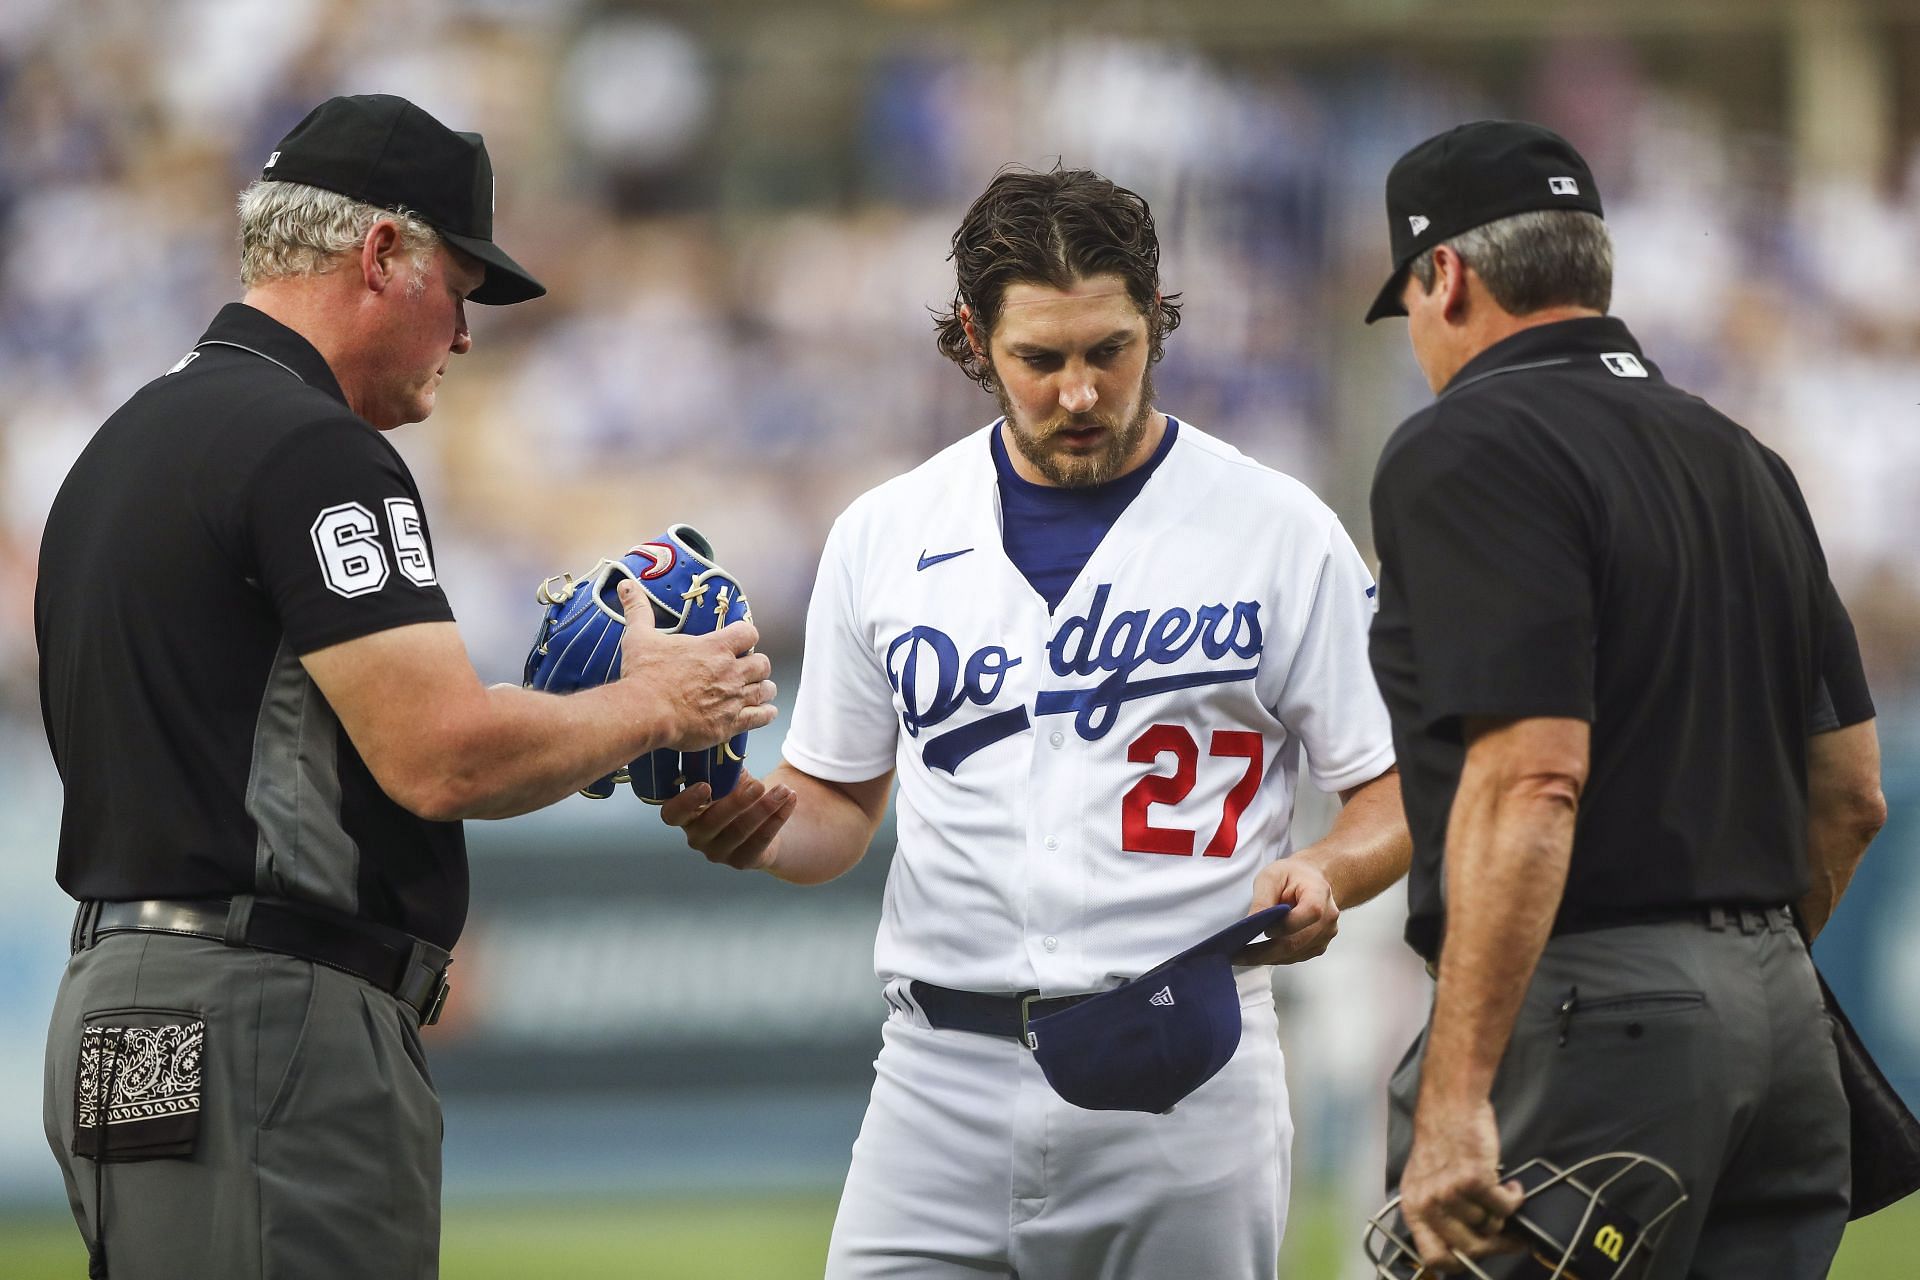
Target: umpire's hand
[
  {"x": 708, "y": 687},
  {"x": 1451, "y": 1194},
  {"x": 739, "y": 828}
]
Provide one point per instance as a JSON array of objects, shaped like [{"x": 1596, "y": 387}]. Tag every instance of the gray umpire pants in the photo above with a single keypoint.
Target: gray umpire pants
[
  {"x": 318, "y": 1145},
  {"x": 1707, "y": 1048}
]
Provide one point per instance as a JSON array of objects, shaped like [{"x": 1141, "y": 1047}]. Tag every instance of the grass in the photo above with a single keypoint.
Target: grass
[
  {"x": 765, "y": 1239},
  {"x": 785, "y": 1238}
]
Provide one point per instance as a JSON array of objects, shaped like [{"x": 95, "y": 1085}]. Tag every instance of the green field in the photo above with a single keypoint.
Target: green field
[{"x": 786, "y": 1238}]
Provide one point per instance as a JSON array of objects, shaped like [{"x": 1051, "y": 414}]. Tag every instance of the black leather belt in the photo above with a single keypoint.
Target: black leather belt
[
  {"x": 1745, "y": 917},
  {"x": 412, "y": 971},
  {"x": 1778, "y": 919},
  {"x": 987, "y": 1013}
]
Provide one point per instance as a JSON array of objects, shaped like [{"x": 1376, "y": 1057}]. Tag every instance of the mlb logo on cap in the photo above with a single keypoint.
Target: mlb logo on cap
[
  {"x": 1147, "y": 1044},
  {"x": 1563, "y": 186}
]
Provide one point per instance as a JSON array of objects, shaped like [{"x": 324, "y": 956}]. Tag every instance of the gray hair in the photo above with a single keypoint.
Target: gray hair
[
  {"x": 1531, "y": 261},
  {"x": 292, "y": 229}
]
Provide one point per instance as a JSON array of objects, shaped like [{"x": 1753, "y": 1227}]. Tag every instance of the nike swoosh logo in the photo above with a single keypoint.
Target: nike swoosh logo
[{"x": 927, "y": 561}]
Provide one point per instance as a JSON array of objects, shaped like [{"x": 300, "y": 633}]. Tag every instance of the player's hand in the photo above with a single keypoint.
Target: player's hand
[
  {"x": 704, "y": 688},
  {"x": 739, "y": 828},
  {"x": 1305, "y": 931},
  {"x": 1451, "y": 1194}
]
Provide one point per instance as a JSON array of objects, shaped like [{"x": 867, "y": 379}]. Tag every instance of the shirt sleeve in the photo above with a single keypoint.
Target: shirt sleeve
[
  {"x": 1840, "y": 696},
  {"x": 844, "y": 726},
  {"x": 1491, "y": 558},
  {"x": 1330, "y": 699},
  {"x": 339, "y": 541}
]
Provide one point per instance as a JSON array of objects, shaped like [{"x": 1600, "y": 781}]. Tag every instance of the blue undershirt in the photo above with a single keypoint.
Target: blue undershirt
[{"x": 1050, "y": 532}]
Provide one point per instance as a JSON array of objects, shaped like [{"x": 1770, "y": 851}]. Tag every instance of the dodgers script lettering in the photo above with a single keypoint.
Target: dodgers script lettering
[{"x": 926, "y": 670}]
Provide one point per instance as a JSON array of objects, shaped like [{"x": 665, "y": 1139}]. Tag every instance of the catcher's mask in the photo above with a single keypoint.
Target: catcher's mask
[{"x": 1570, "y": 1230}]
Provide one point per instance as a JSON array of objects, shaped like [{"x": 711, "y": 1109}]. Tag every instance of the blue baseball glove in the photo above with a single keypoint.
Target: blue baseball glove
[
  {"x": 693, "y": 595},
  {"x": 578, "y": 645}
]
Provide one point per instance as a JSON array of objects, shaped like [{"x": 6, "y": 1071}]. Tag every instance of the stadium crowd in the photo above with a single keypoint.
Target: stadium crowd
[{"x": 743, "y": 236}]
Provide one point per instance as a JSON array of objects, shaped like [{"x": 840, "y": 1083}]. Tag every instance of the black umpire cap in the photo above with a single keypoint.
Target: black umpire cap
[
  {"x": 389, "y": 153},
  {"x": 1469, "y": 176}
]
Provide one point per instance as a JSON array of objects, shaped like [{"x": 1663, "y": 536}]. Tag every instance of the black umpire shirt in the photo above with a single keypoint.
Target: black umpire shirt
[
  {"x": 230, "y": 517},
  {"x": 1563, "y": 533}
]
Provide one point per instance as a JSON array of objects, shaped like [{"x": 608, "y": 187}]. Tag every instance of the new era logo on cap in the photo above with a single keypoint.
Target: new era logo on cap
[
  {"x": 1419, "y": 223},
  {"x": 1563, "y": 186},
  {"x": 272, "y": 160},
  {"x": 1163, "y": 997}
]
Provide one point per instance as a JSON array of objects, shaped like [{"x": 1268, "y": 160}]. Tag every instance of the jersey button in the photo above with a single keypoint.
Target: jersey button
[
  {"x": 1056, "y": 737},
  {"x": 1051, "y": 843},
  {"x": 1050, "y": 942}
]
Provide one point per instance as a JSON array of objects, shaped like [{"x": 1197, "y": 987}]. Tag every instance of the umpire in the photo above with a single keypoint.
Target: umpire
[
  {"x": 267, "y": 729},
  {"x": 1634, "y": 734}
]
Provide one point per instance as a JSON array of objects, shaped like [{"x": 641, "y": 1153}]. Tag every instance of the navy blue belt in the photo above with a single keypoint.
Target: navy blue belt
[
  {"x": 987, "y": 1013},
  {"x": 412, "y": 971}
]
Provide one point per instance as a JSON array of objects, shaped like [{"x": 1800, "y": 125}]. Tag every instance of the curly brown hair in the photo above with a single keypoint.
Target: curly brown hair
[{"x": 1050, "y": 229}]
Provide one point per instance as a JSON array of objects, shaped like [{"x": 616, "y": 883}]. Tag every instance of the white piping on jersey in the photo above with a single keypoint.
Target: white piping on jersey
[{"x": 222, "y": 342}]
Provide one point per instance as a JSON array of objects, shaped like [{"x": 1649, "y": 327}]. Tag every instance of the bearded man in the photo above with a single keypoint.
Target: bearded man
[{"x": 1091, "y": 641}]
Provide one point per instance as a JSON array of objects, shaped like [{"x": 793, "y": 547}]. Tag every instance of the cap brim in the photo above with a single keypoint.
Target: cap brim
[
  {"x": 1388, "y": 302},
  {"x": 1236, "y": 935},
  {"x": 507, "y": 281}
]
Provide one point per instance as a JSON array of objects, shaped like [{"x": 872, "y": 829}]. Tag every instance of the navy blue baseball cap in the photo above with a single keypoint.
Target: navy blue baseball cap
[
  {"x": 1146, "y": 1045},
  {"x": 387, "y": 152}
]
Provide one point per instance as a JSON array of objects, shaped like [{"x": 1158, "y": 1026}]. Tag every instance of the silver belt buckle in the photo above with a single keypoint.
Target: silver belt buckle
[
  {"x": 433, "y": 964},
  {"x": 1026, "y": 1010},
  {"x": 437, "y": 1002}
]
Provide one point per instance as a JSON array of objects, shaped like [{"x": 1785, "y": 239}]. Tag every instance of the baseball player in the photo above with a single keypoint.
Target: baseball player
[
  {"x": 1093, "y": 643},
  {"x": 268, "y": 731}
]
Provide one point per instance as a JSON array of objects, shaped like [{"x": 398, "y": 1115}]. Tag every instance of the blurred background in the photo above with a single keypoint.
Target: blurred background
[{"x": 652, "y": 1067}]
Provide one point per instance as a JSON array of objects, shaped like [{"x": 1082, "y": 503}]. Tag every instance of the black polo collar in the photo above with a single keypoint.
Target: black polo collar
[
  {"x": 241, "y": 327},
  {"x": 1549, "y": 345}
]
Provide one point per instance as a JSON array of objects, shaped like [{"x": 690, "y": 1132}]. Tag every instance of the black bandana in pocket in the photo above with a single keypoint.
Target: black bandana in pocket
[{"x": 136, "y": 1093}]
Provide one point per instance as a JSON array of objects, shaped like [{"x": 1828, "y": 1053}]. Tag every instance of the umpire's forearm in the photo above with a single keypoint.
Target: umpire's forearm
[
  {"x": 1509, "y": 845},
  {"x": 831, "y": 827},
  {"x": 1845, "y": 810},
  {"x": 1507, "y": 860},
  {"x": 532, "y": 749},
  {"x": 445, "y": 747}
]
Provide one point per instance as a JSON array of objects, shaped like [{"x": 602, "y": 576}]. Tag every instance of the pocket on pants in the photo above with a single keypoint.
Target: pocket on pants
[
  {"x": 137, "y": 1084},
  {"x": 289, "y": 990},
  {"x": 1633, "y": 1013}
]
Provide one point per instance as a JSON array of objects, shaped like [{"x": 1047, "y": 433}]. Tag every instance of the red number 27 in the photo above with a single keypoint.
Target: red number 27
[{"x": 1138, "y": 835}]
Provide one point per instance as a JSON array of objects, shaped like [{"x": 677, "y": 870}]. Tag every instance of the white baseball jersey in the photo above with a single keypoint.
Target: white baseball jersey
[{"x": 1087, "y": 792}]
